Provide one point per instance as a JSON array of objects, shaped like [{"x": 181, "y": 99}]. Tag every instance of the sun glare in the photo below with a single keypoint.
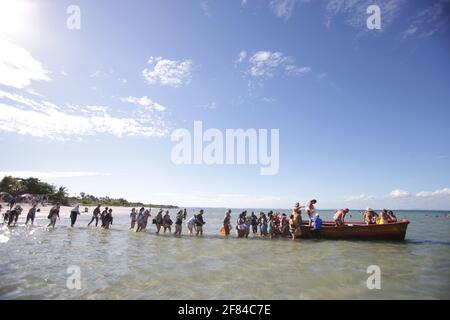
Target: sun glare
[{"x": 13, "y": 16}]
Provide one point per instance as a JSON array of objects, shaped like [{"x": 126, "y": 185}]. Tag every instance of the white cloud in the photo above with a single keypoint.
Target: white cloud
[
  {"x": 397, "y": 193},
  {"x": 401, "y": 199},
  {"x": 242, "y": 56},
  {"x": 267, "y": 64},
  {"x": 168, "y": 72},
  {"x": 282, "y": 8},
  {"x": 17, "y": 67},
  {"x": 144, "y": 101},
  {"x": 50, "y": 174},
  {"x": 294, "y": 70},
  {"x": 44, "y": 119},
  {"x": 437, "y": 193}
]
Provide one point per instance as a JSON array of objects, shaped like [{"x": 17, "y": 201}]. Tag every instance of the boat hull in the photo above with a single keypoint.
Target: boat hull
[{"x": 391, "y": 231}]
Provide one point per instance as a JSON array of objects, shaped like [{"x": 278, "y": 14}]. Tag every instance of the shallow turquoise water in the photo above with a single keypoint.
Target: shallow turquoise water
[{"x": 120, "y": 264}]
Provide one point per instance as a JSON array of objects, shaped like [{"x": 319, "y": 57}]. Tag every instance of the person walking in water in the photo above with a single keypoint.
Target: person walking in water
[
  {"x": 190, "y": 223},
  {"x": 227, "y": 222},
  {"x": 143, "y": 220},
  {"x": 107, "y": 219},
  {"x": 31, "y": 214},
  {"x": 179, "y": 222},
  {"x": 199, "y": 222},
  {"x": 74, "y": 215},
  {"x": 133, "y": 218},
  {"x": 95, "y": 215},
  {"x": 159, "y": 220},
  {"x": 167, "y": 222},
  {"x": 53, "y": 215},
  {"x": 103, "y": 217},
  {"x": 184, "y": 214}
]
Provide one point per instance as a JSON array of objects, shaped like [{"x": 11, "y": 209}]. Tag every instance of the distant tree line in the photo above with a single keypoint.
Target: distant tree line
[{"x": 18, "y": 187}]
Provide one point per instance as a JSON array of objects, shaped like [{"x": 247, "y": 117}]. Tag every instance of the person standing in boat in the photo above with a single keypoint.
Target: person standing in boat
[
  {"x": 95, "y": 215},
  {"x": 227, "y": 222},
  {"x": 311, "y": 210},
  {"x": 74, "y": 215},
  {"x": 339, "y": 217},
  {"x": 53, "y": 215},
  {"x": 199, "y": 222}
]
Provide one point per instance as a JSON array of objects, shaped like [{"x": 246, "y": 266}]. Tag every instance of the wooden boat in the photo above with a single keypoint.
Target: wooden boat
[{"x": 358, "y": 230}]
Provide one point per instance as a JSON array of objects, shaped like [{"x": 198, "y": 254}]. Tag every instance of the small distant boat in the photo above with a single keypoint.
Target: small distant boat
[{"x": 358, "y": 230}]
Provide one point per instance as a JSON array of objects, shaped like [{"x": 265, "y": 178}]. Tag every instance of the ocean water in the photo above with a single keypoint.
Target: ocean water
[{"x": 122, "y": 264}]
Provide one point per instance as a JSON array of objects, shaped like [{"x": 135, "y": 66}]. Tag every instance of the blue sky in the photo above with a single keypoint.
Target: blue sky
[{"x": 363, "y": 114}]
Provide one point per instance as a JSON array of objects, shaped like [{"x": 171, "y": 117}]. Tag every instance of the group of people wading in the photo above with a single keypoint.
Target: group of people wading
[{"x": 270, "y": 225}]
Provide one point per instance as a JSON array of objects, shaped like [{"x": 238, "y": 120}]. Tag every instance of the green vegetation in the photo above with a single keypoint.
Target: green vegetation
[{"x": 18, "y": 186}]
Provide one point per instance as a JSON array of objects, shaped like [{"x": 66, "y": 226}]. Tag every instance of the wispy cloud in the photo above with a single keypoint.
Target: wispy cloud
[
  {"x": 41, "y": 118},
  {"x": 18, "y": 67},
  {"x": 282, "y": 8},
  {"x": 144, "y": 101},
  {"x": 398, "y": 198},
  {"x": 267, "y": 63},
  {"x": 432, "y": 19},
  {"x": 50, "y": 174},
  {"x": 168, "y": 72},
  {"x": 205, "y": 8}
]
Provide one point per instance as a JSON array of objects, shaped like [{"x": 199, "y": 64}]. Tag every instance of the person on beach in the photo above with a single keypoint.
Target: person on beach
[
  {"x": 95, "y": 215},
  {"x": 133, "y": 218},
  {"x": 53, "y": 215},
  {"x": 199, "y": 222},
  {"x": 311, "y": 210},
  {"x": 159, "y": 220},
  {"x": 12, "y": 202},
  {"x": 167, "y": 222},
  {"x": 179, "y": 222},
  {"x": 254, "y": 223},
  {"x": 74, "y": 215},
  {"x": 227, "y": 222},
  {"x": 339, "y": 217},
  {"x": 391, "y": 217},
  {"x": 108, "y": 219},
  {"x": 262, "y": 221},
  {"x": 31, "y": 214},
  {"x": 190, "y": 223}
]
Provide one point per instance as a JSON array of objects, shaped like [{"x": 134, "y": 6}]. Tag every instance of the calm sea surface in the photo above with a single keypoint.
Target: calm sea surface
[{"x": 121, "y": 264}]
